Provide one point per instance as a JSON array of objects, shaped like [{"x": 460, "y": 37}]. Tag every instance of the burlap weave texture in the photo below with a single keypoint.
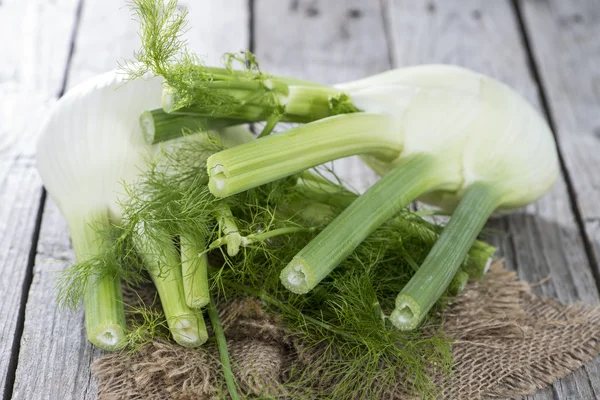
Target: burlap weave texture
[{"x": 508, "y": 343}]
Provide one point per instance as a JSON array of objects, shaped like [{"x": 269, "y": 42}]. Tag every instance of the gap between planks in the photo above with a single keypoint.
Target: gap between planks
[
  {"x": 16, "y": 345},
  {"x": 251, "y": 26}
]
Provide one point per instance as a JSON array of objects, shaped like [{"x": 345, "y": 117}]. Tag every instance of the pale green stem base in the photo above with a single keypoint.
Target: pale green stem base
[
  {"x": 194, "y": 268},
  {"x": 274, "y": 157},
  {"x": 446, "y": 256},
  {"x": 413, "y": 177},
  {"x": 159, "y": 126},
  {"x": 103, "y": 298},
  {"x": 104, "y": 313},
  {"x": 162, "y": 262}
]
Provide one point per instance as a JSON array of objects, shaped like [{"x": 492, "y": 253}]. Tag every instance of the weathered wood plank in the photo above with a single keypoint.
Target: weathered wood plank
[
  {"x": 327, "y": 41},
  {"x": 34, "y": 53},
  {"x": 217, "y": 27},
  {"x": 330, "y": 41},
  {"x": 544, "y": 238},
  {"x": 55, "y": 357},
  {"x": 564, "y": 40}
]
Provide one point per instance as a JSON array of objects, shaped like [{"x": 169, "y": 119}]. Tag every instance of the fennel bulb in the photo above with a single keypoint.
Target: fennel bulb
[
  {"x": 90, "y": 145},
  {"x": 470, "y": 144}
]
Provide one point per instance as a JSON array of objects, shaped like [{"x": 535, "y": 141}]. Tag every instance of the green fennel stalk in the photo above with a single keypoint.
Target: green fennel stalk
[
  {"x": 103, "y": 300},
  {"x": 163, "y": 263},
  {"x": 228, "y": 228},
  {"x": 442, "y": 262},
  {"x": 194, "y": 270},
  {"x": 270, "y": 158},
  {"x": 367, "y": 213},
  {"x": 158, "y": 126}
]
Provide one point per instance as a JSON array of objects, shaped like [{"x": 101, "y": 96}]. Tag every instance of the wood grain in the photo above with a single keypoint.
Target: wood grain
[
  {"x": 543, "y": 239},
  {"x": 55, "y": 357},
  {"x": 329, "y": 41},
  {"x": 564, "y": 41},
  {"x": 34, "y": 53}
]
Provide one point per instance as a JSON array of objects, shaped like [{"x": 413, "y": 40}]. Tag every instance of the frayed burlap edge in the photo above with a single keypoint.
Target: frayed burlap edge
[{"x": 508, "y": 343}]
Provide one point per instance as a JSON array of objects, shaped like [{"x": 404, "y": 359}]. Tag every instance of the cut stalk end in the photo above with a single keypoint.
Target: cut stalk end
[
  {"x": 239, "y": 168},
  {"x": 296, "y": 277},
  {"x": 108, "y": 337},
  {"x": 197, "y": 302},
  {"x": 163, "y": 264},
  {"x": 217, "y": 184},
  {"x": 407, "y": 314},
  {"x": 159, "y": 126},
  {"x": 103, "y": 298},
  {"x": 448, "y": 253},
  {"x": 188, "y": 330},
  {"x": 415, "y": 176},
  {"x": 104, "y": 313}
]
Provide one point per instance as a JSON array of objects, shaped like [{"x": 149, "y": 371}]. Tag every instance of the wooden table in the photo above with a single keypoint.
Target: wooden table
[{"x": 549, "y": 50}]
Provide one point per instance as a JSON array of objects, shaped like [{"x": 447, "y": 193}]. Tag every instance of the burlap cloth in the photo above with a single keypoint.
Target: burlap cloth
[{"x": 508, "y": 343}]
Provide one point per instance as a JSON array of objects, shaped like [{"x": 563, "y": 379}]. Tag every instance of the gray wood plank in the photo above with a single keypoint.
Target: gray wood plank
[
  {"x": 564, "y": 40},
  {"x": 55, "y": 357},
  {"x": 330, "y": 41},
  {"x": 34, "y": 53},
  {"x": 54, "y": 362},
  {"x": 543, "y": 239}
]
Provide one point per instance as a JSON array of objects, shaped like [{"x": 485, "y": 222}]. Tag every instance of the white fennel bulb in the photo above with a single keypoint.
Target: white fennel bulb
[
  {"x": 89, "y": 147},
  {"x": 477, "y": 128}
]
